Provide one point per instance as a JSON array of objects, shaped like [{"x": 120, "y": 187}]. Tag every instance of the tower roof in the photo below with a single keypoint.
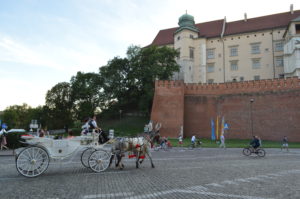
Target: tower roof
[{"x": 186, "y": 21}]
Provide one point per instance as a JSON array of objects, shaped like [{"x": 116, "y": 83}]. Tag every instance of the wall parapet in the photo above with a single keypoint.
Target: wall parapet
[{"x": 233, "y": 87}]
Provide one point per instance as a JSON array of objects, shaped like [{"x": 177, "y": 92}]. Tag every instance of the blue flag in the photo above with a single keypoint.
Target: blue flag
[{"x": 213, "y": 137}]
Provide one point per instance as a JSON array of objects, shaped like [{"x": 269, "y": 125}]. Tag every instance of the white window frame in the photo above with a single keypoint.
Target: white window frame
[
  {"x": 279, "y": 61},
  {"x": 210, "y": 53},
  {"x": 210, "y": 67},
  {"x": 210, "y": 81},
  {"x": 255, "y": 48},
  {"x": 233, "y": 51},
  {"x": 256, "y": 77},
  {"x": 256, "y": 63},
  {"x": 279, "y": 46},
  {"x": 192, "y": 52},
  {"x": 234, "y": 65}
]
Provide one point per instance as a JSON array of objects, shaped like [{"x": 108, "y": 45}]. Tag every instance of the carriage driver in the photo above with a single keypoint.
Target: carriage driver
[{"x": 93, "y": 125}]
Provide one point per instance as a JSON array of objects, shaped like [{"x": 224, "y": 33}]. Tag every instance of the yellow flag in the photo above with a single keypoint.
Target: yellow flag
[{"x": 217, "y": 128}]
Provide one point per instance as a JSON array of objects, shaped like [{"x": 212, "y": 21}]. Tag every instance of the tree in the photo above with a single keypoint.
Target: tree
[
  {"x": 87, "y": 93},
  {"x": 59, "y": 106},
  {"x": 20, "y": 116},
  {"x": 129, "y": 81}
]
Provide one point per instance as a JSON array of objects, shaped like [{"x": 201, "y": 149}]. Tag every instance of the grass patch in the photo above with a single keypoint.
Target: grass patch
[
  {"x": 127, "y": 126},
  {"x": 233, "y": 143}
]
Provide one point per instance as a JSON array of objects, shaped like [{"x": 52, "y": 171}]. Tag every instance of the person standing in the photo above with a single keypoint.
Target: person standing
[
  {"x": 222, "y": 145},
  {"x": 3, "y": 139},
  {"x": 285, "y": 143},
  {"x": 180, "y": 140},
  {"x": 193, "y": 141}
]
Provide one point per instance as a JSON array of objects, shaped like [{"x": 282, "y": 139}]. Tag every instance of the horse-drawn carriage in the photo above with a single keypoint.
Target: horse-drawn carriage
[{"x": 34, "y": 160}]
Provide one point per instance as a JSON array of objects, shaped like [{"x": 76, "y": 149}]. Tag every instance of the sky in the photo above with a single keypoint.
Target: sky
[{"x": 44, "y": 42}]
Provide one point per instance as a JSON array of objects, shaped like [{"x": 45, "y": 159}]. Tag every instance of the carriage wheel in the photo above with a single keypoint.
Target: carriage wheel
[
  {"x": 32, "y": 161},
  {"x": 85, "y": 156},
  {"x": 99, "y": 160}
]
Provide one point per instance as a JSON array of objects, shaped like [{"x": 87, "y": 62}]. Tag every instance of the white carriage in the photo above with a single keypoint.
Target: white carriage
[{"x": 33, "y": 160}]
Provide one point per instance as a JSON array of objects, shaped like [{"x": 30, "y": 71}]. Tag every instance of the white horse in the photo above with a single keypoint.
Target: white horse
[{"x": 138, "y": 147}]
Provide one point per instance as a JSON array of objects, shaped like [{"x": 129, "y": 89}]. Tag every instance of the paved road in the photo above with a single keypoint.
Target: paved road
[{"x": 179, "y": 173}]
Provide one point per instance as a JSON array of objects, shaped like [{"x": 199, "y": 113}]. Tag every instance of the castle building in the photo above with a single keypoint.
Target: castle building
[{"x": 218, "y": 51}]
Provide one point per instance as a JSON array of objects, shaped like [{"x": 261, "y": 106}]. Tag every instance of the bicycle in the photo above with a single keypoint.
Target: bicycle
[
  {"x": 193, "y": 145},
  {"x": 164, "y": 145},
  {"x": 249, "y": 150}
]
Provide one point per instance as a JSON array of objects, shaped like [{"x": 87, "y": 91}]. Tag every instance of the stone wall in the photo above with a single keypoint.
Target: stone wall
[{"x": 275, "y": 110}]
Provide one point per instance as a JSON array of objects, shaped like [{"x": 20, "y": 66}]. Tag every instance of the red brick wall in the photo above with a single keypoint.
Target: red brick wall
[
  {"x": 275, "y": 110},
  {"x": 168, "y": 106}
]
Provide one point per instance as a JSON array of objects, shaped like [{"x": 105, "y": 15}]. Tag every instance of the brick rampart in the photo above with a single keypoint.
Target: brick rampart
[{"x": 275, "y": 110}]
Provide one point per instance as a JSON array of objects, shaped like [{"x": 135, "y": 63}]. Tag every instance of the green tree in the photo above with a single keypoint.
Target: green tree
[
  {"x": 87, "y": 93},
  {"x": 59, "y": 106},
  {"x": 20, "y": 116},
  {"x": 129, "y": 82}
]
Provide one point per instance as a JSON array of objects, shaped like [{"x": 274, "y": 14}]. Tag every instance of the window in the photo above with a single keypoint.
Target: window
[
  {"x": 210, "y": 81},
  {"x": 192, "y": 53},
  {"x": 241, "y": 79},
  {"x": 255, "y": 63},
  {"x": 191, "y": 36},
  {"x": 211, "y": 67},
  {"x": 278, "y": 46},
  {"x": 256, "y": 77},
  {"x": 279, "y": 61},
  {"x": 281, "y": 76},
  {"x": 255, "y": 48},
  {"x": 210, "y": 53},
  {"x": 178, "y": 38},
  {"x": 178, "y": 50},
  {"x": 297, "y": 28},
  {"x": 233, "y": 51},
  {"x": 234, "y": 65}
]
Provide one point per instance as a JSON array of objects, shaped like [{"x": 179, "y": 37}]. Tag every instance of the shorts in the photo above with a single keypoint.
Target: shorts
[{"x": 285, "y": 145}]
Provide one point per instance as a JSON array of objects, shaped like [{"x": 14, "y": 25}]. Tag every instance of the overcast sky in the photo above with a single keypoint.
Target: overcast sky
[{"x": 44, "y": 42}]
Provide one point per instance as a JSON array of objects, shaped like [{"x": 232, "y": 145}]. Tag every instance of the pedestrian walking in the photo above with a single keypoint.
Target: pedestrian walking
[
  {"x": 222, "y": 145},
  {"x": 180, "y": 140},
  {"x": 3, "y": 142},
  {"x": 285, "y": 144}
]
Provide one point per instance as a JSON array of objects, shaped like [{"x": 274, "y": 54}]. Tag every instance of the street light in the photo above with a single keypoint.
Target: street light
[{"x": 251, "y": 118}]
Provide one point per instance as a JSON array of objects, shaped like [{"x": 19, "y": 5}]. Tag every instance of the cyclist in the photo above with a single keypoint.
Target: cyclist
[{"x": 255, "y": 143}]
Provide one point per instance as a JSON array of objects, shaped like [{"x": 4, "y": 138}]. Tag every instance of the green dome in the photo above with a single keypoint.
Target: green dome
[{"x": 186, "y": 21}]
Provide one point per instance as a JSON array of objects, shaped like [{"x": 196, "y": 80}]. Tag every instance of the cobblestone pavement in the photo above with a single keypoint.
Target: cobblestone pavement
[{"x": 179, "y": 173}]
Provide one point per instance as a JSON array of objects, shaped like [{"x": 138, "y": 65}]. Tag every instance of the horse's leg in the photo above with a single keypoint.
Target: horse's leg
[
  {"x": 137, "y": 159},
  {"x": 111, "y": 159},
  {"x": 119, "y": 159},
  {"x": 149, "y": 155}
]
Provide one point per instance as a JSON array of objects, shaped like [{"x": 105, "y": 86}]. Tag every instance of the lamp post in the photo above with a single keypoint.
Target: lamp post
[{"x": 251, "y": 118}]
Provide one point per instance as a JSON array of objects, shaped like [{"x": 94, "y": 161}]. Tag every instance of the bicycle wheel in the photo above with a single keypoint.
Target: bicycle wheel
[
  {"x": 246, "y": 151},
  {"x": 164, "y": 147},
  {"x": 261, "y": 152},
  {"x": 85, "y": 156}
]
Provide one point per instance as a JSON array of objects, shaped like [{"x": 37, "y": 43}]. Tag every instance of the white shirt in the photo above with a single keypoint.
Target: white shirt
[
  {"x": 94, "y": 123},
  {"x": 193, "y": 138}
]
